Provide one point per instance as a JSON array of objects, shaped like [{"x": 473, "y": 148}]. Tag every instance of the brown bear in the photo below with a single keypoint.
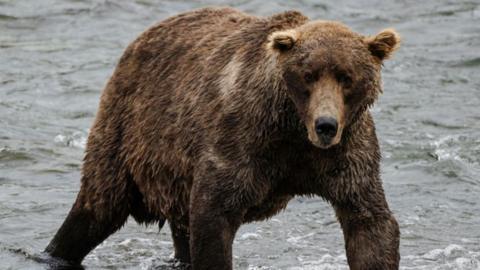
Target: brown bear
[{"x": 214, "y": 118}]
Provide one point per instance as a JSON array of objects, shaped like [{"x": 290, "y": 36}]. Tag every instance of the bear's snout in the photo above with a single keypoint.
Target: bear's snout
[{"x": 326, "y": 129}]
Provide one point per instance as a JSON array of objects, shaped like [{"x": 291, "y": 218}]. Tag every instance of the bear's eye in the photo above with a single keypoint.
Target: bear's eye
[
  {"x": 308, "y": 77},
  {"x": 305, "y": 93},
  {"x": 345, "y": 80}
]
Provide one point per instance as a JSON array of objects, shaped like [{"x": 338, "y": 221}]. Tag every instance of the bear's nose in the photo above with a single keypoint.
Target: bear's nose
[{"x": 326, "y": 127}]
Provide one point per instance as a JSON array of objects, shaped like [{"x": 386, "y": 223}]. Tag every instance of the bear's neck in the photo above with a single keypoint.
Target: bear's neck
[{"x": 271, "y": 113}]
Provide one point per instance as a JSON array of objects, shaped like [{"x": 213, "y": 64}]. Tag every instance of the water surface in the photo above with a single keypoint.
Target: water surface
[{"x": 55, "y": 58}]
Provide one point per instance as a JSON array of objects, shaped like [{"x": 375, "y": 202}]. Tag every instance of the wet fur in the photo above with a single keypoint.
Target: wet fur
[{"x": 197, "y": 126}]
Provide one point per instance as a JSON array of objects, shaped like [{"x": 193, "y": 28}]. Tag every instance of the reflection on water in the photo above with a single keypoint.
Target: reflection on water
[{"x": 56, "y": 55}]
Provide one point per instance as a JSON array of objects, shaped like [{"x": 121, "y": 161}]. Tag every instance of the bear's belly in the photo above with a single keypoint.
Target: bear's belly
[
  {"x": 268, "y": 208},
  {"x": 166, "y": 196}
]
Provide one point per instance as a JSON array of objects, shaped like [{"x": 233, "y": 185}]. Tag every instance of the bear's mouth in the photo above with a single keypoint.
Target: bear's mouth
[
  {"x": 323, "y": 142},
  {"x": 322, "y": 145}
]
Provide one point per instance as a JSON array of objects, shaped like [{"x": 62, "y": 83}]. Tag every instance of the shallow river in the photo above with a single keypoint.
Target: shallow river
[{"x": 56, "y": 55}]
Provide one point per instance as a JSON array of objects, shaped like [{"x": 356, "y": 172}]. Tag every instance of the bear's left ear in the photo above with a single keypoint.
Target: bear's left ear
[
  {"x": 383, "y": 44},
  {"x": 282, "y": 40}
]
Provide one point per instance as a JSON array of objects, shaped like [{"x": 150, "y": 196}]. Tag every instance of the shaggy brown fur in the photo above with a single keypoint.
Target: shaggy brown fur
[{"x": 209, "y": 122}]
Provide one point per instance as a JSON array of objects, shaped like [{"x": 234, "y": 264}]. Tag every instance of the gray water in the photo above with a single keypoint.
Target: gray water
[{"x": 55, "y": 57}]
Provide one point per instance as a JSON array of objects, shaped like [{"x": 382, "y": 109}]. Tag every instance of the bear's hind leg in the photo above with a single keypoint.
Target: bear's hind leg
[
  {"x": 95, "y": 215},
  {"x": 181, "y": 240}
]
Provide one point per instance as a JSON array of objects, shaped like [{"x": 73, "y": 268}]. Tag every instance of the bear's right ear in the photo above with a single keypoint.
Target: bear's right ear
[{"x": 282, "y": 40}]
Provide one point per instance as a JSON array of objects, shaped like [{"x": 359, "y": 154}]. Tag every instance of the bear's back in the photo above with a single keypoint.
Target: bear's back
[{"x": 179, "y": 42}]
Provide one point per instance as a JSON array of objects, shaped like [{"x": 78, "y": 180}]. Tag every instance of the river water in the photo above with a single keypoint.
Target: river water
[{"x": 56, "y": 55}]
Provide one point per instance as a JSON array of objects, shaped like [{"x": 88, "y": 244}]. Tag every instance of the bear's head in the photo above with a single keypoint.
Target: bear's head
[{"x": 331, "y": 74}]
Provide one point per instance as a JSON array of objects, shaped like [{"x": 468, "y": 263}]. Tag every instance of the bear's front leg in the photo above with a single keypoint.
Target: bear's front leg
[
  {"x": 371, "y": 232},
  {"x": 220, "y": 196},
  {"x": 372, "y": 243},
  {"x": 211, "y": 237}
]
